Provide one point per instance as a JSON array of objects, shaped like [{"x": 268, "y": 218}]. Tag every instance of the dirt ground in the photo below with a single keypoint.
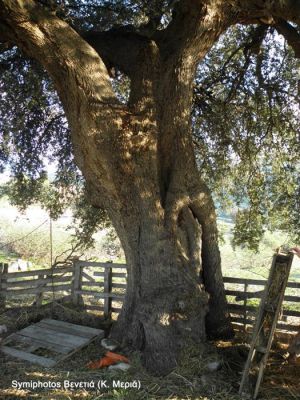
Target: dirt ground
[{"x": 191, "y": 380}]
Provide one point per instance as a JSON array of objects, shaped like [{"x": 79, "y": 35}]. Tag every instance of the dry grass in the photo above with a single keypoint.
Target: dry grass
[{"x": 191, "y": 380}]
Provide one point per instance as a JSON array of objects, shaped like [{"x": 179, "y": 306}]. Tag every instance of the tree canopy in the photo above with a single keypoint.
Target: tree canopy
[
  {"x": 247, "y": 129},
  {"x": 245, "y": 120}
]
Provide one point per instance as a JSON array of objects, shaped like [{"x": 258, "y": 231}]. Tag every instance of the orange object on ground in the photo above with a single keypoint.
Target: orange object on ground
[
  {"x": 110, "y": 358},
  {"x": 117, "y": 357}
]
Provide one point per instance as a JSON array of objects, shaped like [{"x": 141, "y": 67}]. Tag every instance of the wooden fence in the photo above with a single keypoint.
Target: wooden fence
[
  {"x": 93, "y": 285},
  {"x": 243, "y": 314},
  {"x": 101, "y": 287},
  {"x": 34, "y": 284}
]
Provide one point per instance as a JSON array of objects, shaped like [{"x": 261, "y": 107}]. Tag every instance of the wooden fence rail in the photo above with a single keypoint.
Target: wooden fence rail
[
  {"x": 101, "y": 287},
  {"x": 94, "y": 285},
  {"x": 33, "y": 284},
  {"x": 243, "y": 313}
]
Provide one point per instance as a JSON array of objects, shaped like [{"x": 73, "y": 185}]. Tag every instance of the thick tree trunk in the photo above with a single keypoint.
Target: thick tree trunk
[
  {"x": 175, "y": 293},
  {"x": 165, "y": 303}
]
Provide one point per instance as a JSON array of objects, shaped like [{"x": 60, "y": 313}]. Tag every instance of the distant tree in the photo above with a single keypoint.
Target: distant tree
[{"x": 129, "y": 76}]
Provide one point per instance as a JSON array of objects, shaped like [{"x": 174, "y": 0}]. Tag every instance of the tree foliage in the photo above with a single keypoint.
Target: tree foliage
[{"x": 246, "y": 129}]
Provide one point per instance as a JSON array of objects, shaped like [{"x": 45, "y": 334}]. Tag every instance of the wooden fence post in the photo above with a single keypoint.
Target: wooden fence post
[
  {"x": 76, "y": 282},
  {"x": 39, "y": 295},
  {"x": 3, "y": 270},
  {"x": 245, "y": 306},
  {"x": 107, "y": 289}
]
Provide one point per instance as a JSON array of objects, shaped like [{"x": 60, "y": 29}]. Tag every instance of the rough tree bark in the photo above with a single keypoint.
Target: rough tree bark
[{"x": 139, "y": 163}]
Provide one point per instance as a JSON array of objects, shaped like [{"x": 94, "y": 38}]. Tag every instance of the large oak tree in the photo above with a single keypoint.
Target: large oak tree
[{"x": 138, "y": 158}]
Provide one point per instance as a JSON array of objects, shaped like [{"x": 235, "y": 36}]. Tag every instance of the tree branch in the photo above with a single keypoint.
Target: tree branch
[
  {"x": 43, "y": 36},
  {"x": 119, "y": 47},
  {"x": 123, "y": 46},
  {"x": 265, "y": 11},
  {"x": 157, "y": 10},
  {"x": 81, "y": 79},
  {"x": 5, "y": 40},
  {"x": 196, "y": 24},
  {"x": 290, "y": 34}
]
